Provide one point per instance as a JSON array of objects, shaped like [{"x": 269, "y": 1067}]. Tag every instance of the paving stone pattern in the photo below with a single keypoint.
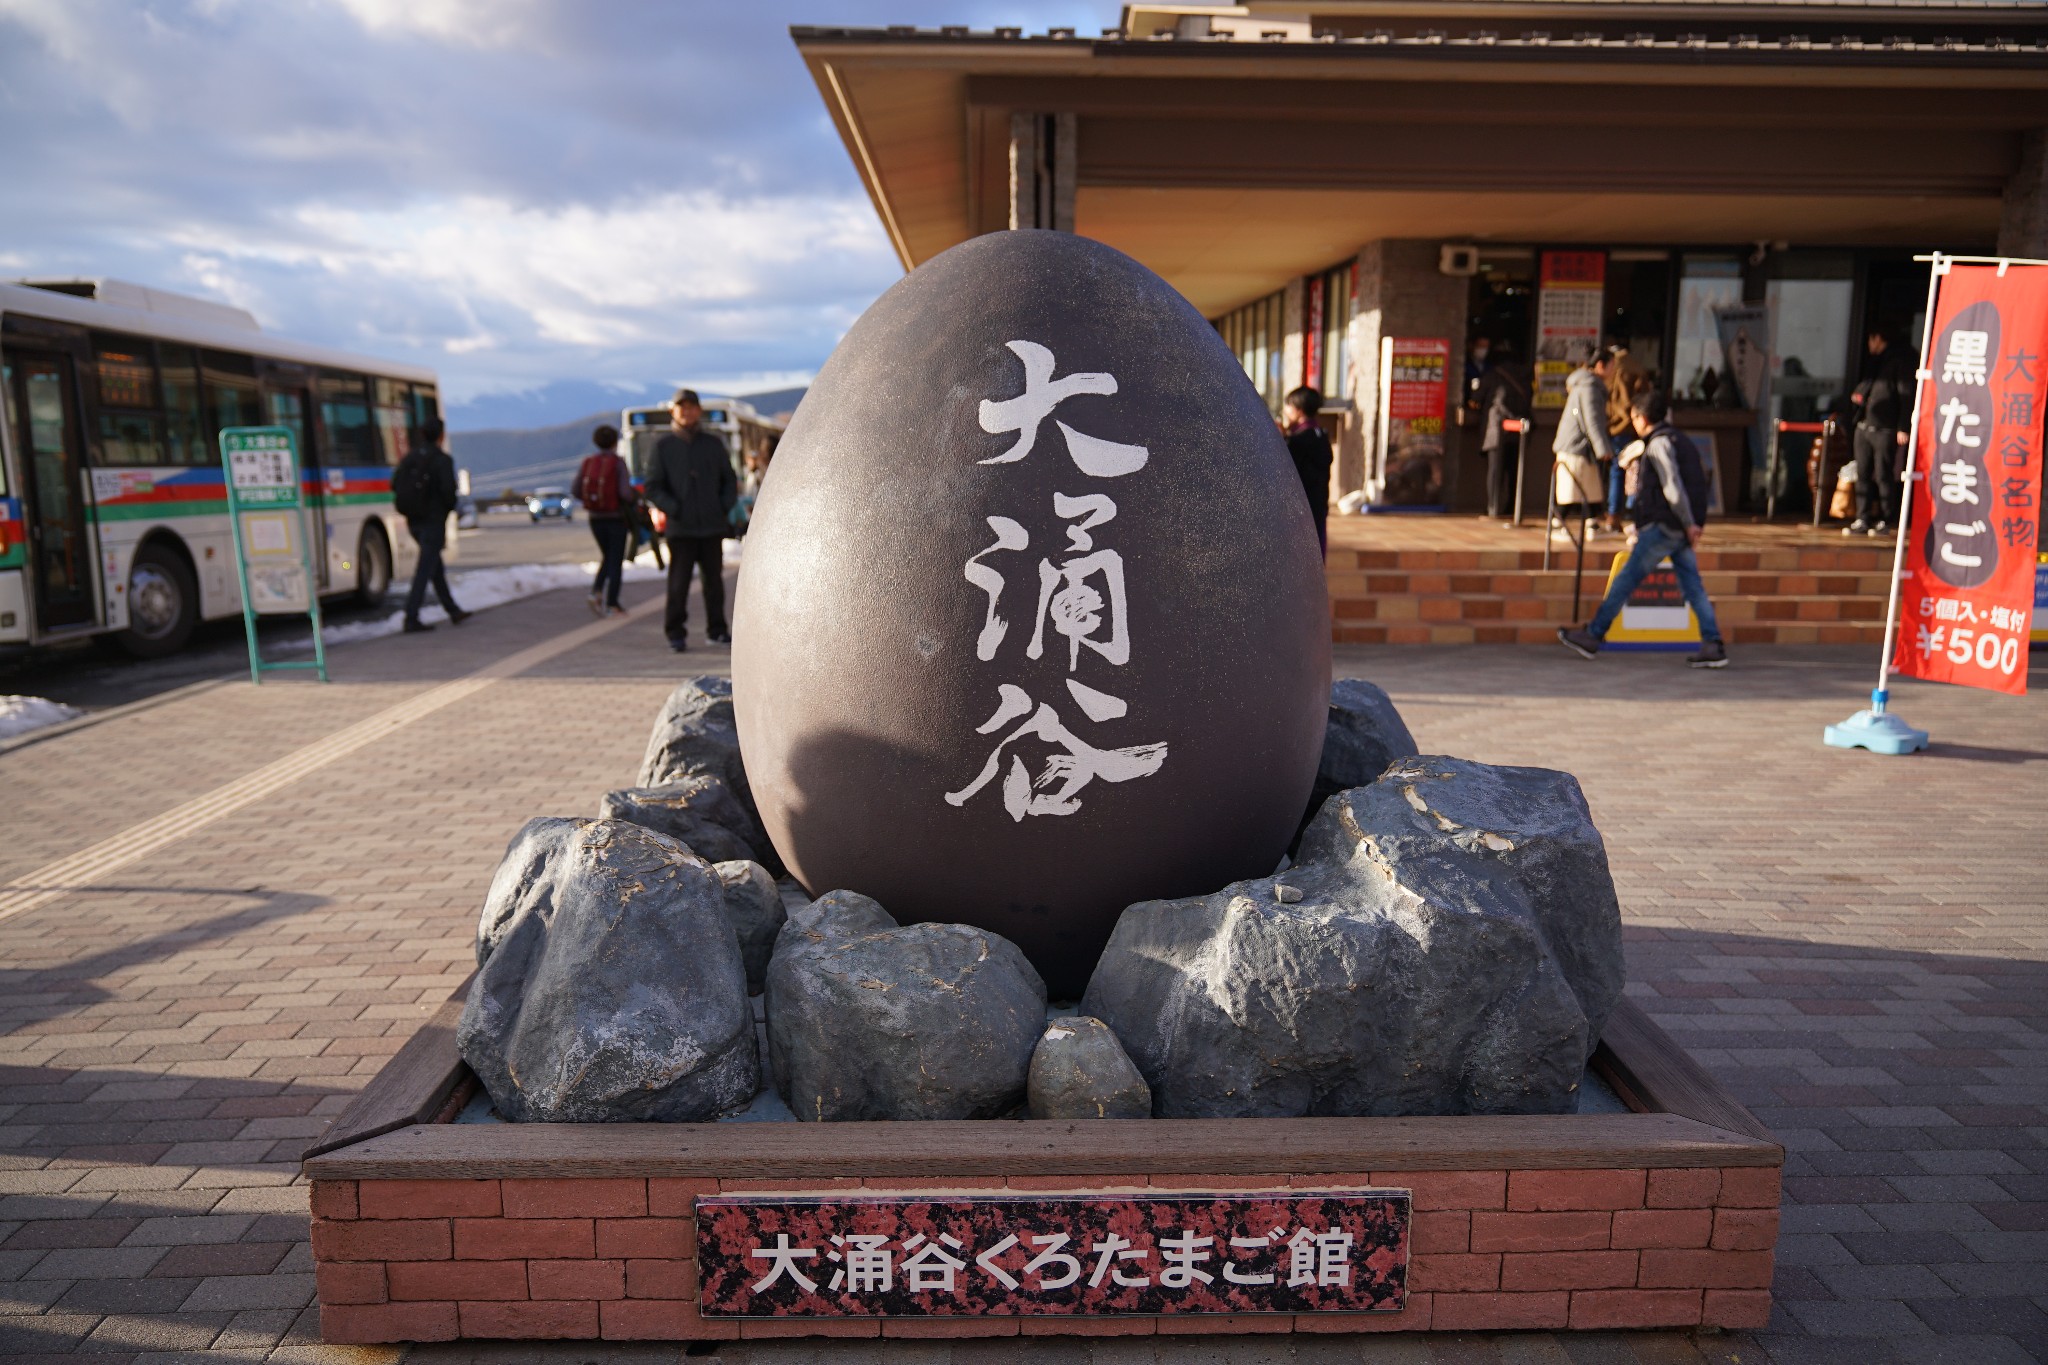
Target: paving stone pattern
[{"x": 1854, "y": 944}]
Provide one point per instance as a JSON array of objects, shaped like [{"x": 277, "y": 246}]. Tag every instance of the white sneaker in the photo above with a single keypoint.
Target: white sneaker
[{"x": 596, "y": 604}]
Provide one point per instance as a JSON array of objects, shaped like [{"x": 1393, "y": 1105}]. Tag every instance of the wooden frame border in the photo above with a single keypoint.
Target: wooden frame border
[{"x": 398, "y": 1128}]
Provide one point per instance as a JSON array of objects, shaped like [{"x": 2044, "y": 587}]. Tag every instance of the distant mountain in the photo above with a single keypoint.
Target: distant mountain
[
  {"x": 550, "y": 405},
  {"x": 521, "y": 457},
  {"x": 503, "y": 459},
  {"x": 553, "y": 404},
  {"x": 775, "y": 401}
]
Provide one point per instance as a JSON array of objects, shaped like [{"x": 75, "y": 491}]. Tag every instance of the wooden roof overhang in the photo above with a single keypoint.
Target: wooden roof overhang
[{"x": 1231, "y": 167}]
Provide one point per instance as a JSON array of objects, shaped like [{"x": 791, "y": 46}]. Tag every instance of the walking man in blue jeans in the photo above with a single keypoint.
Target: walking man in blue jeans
[{"x": 1670, "y": 513}]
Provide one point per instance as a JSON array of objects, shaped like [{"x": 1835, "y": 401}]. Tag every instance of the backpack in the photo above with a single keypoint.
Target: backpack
[
  {"x": 412, "y": 486},
  {"x": 597, "y": 484}
]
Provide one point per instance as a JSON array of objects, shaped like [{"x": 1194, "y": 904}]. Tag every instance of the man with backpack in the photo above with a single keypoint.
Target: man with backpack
[
  {"x": 605, "y": 488},
  {"x": 690, "y": 479},
  {"x": 423, "y": 492},
  {"x": 1670, "y": 510}
]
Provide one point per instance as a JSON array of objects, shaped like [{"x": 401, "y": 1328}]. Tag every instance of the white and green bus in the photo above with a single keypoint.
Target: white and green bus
[{"x": 113, "y": 516}]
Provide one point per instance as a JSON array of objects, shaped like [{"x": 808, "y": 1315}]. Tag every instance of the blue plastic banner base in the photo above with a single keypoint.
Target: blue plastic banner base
[{"x": 1881, "y": 732}]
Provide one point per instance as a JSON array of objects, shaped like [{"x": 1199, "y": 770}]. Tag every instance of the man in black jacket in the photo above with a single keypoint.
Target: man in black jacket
[
  {"x": 1884, "y": 407},
  {"x": 1309, "y": 447},
  {"x": 690, "y": 479},
  {"x": 1670, "y": 511},
  {"x": 423, "y": 490}
]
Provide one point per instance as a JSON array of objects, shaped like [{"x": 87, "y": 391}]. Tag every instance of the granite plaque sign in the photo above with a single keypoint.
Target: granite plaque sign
[{"x": 1089, "y": 1255}]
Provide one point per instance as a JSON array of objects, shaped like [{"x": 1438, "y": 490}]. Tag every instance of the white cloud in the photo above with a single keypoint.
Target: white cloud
[
  {"x": 475, "y": 23},
  {"x": 492, "y": 287}
]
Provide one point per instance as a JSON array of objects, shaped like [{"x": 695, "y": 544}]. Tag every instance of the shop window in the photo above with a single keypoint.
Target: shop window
[
  {"x": 1698, "y": 369},
  {"x": 1638, "y": 309},
  {"x": 348, "y": 438},
  {"x": 1255, "y": 334}
]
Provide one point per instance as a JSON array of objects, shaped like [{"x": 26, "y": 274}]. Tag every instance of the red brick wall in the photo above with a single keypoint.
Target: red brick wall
[{"x": 433, "y": 1260}]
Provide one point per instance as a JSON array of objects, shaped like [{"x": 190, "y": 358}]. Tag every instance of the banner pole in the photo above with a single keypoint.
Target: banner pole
[{"x": 1881, "y": 694}]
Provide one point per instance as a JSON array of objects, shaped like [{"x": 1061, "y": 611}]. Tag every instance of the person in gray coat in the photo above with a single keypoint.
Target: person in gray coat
[
  {"x": 1581, "y": 446},
  {"x": 690, "y": 478}
]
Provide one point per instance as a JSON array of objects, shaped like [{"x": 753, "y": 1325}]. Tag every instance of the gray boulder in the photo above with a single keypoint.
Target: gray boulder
[
  {"x": 1365, "y": 734},
  {"x": 611, "y": 986},
  {"x": 1448, "y": 943},
  {"x": 698, "y": 811},
  {"x": 523, "y": 882},
  {"x": 868, "y": 1020},
  {"x": 1080, "y": 1071},
  {"x": 695, "y": 736},
  {"x": 753, "y": 903}
]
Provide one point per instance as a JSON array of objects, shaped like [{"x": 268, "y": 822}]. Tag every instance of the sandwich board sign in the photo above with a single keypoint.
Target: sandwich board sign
[
  {"x": 273, "y": 552},
  {"x": 1656, "y": 615}
]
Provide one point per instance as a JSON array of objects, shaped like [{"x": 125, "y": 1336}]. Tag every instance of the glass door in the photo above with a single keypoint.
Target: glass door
[
  {"x": 288, "y": 408},
  {"x": 59, "y": 529},
  {"x": 1810, "y": 301}
]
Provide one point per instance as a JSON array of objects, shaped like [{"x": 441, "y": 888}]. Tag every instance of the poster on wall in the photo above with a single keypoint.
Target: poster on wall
[
  {"x": 1568, "y": 311},
  {"x": 1968, "y": 589},
  {"x": 1414, "y": 391}
]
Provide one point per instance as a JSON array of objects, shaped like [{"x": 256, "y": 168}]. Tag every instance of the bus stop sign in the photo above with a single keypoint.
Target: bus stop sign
[{"x": 273, "y": 553}]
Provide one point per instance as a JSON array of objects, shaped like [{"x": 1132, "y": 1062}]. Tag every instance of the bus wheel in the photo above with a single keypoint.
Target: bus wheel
[
  {"x": 163, "y": 603},
  {"x": 373, "y": 568}
]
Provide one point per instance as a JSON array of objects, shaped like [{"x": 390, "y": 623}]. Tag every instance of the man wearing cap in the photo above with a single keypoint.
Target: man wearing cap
[{"x": 690, "y": 479}]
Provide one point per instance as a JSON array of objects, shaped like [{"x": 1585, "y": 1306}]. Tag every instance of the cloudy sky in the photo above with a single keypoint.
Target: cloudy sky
[{"x": 551, "y": 202}]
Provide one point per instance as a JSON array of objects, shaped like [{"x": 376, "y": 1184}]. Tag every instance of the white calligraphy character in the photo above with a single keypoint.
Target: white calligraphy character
[
  {"x": 1319, "y": 1258},
  {"x": 931, "y": 1266},
  {"x": 1052, "y": 1255},
  {"x": 1025, "y": 413},
  {"x": 1111, "y": 1253},
  {"x": 1179, "y": 1256},
  {"x": 1066, "y": 773},
  {"x": 1948, "y": 552},
  {"x": 785, "y": 1258},
  {"x": 1009, "y": 536},
  {"x": 1957, "y": 422},
  {"x": 1959, "y": 482},
  {"x": 1230, "y": 1271},
  {"x": 870, "y": 1265},
  {"x": 1967, "y": 358}
]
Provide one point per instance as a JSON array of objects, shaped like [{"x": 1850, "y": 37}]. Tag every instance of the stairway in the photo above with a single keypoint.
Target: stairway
[{"x": 1772, "y": 594}]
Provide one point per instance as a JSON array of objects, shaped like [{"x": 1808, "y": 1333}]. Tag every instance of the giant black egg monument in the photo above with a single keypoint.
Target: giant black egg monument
[{"x": 1033, "y": 623}]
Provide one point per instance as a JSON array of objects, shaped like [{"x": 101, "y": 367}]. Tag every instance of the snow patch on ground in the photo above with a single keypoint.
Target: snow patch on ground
[
  {"x": 19, "y": 715},
  {"x": 478, "y": 589}
]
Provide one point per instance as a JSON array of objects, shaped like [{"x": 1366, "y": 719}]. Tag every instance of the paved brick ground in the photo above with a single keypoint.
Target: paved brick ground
[{"x": 1856, "y": 945}]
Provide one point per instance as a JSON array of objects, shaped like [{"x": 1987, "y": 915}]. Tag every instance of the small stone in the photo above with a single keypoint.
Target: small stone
[
  {"x": 869, "y": 1020},
  {"x": 1365, "y": 734},
  {"x": 754, "y": 905},
  {"x": 612, "y": 987},
  {"x": 522, "y": 880},
  {"x": 699, "y": 812},
  {"x": 1080, "y": 1071},
  {"x": 695, "y": 736},
  {"x": 1455, "y": 949},
  {"x": 1285, "y": 894}
]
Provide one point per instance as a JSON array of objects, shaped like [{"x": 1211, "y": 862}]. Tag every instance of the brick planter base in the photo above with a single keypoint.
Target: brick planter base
[{"x": 429, "y": 1231}]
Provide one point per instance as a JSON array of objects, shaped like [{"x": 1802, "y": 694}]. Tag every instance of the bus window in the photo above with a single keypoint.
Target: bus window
[
  {"x": 184, "y": 411},
  {"x": 393, "y": 403},
  {"x": 426, "y": 403},
  {"x": 350, "y": 440},
  {"x": 229, "y": 385},
  {"x": 131, "y": 431}
]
